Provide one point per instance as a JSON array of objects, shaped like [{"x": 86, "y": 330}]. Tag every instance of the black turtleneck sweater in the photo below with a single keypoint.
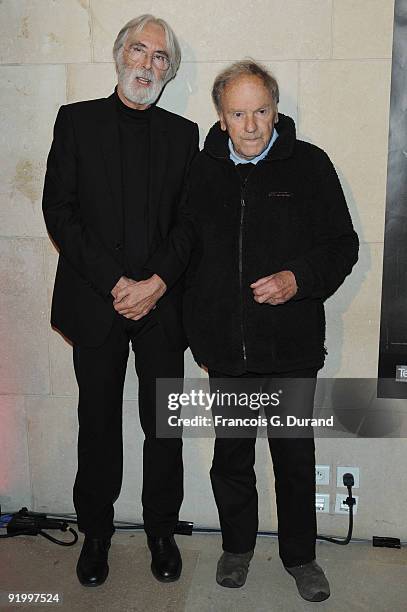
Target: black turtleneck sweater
[{"x": 134, "y": 127}]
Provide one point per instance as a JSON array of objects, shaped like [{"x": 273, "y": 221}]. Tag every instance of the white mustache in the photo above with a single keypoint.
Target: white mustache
[
  {"x": 132, "y": 89},
  {"x": 143, "y": 74}
]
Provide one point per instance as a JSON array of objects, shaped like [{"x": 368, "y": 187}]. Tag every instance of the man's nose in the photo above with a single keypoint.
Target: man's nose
[
  {"x": 147, "y": 61},
  {"x": 250, "y": 124}
]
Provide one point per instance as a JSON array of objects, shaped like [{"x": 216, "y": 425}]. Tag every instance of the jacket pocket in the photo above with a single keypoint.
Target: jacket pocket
[{"x": 280, "y": 194}]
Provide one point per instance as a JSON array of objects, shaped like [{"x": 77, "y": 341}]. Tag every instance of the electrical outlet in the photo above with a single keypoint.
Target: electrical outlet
[
  {"x": 341, "y": 507},
  {"x": 340, "y": 471},
  {"x": 322, "y": 502},
  {"x": 322, "y": 474}
]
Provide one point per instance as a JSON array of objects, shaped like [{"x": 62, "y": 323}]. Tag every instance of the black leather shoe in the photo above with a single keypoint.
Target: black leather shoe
[
  {"x": 166, "y": 562},
  {"x": 92, "y": 568}
]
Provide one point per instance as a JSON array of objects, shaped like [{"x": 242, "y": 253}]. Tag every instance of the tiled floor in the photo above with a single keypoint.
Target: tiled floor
[{"x": 361, "y": 578}]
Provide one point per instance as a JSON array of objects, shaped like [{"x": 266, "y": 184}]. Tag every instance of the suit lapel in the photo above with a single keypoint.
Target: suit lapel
[
  {"x": 110, "y": 144},
  {"x": 158, "y": 167}
]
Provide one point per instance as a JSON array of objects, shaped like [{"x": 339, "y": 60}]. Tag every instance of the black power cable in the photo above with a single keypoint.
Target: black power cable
[
  {"x": 350, "y": 501},
  {"x": 24, "y": 522},
  {"x": 187, "y": 528},
  {"x": 182, "y": 527}
]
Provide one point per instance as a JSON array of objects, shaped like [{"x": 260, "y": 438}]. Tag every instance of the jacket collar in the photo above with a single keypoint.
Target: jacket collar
[{"x": 216, "y": 142}]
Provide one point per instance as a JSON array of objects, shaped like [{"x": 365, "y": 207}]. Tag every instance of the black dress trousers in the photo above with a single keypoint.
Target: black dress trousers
[
  {"x": 100, "y": 374},
  {"x": 234, "y": 481}
]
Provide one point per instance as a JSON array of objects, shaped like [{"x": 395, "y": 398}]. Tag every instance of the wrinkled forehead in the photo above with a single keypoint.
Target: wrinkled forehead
[
  {"x": 152, "y": 36},
  {"x": 246, "y": 92}
]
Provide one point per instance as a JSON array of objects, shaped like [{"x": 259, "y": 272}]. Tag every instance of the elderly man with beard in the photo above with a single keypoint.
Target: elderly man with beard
[{"x": 114, "y": 176}]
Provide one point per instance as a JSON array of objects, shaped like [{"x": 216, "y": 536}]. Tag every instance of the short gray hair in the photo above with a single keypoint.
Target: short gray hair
[
  {"x": 138, "y": 24},
  {"x": 237, "y": 69}
]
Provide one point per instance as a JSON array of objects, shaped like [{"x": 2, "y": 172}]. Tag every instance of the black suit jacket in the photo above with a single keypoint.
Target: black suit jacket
[{"x": 82, "y": 205}]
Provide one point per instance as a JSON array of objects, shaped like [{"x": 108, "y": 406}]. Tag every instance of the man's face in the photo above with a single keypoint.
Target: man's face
[
  {"x": 248, "y": 114},
  {"x": 139, "y": 78}
]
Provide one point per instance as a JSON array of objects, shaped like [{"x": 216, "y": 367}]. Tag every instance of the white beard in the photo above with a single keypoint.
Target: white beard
[{"x": 137, "y": 93}]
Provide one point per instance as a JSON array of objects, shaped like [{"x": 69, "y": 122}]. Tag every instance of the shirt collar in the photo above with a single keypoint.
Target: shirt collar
[{"x": 236, "y": 159}]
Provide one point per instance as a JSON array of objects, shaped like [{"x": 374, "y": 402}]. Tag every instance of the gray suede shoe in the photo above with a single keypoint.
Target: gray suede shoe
[
  {"x": 311, "y": 581},
  {"x": 232, "y": 569}
]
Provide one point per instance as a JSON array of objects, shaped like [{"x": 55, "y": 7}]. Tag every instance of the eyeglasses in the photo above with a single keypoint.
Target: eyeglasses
[{"x": 137, "y": 53}]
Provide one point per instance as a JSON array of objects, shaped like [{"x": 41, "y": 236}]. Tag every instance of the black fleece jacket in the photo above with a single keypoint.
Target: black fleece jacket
[{"x": 290, "y": 214}]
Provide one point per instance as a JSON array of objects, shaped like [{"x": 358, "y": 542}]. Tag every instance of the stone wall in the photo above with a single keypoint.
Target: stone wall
[{"x": 333, "y": 62}]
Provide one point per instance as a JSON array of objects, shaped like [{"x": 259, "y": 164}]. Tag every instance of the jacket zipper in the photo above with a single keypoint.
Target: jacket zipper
[{"x": 242, "y": 211}]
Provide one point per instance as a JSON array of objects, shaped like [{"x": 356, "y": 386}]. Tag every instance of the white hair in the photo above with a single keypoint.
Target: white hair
[
  {"x": 246, "y": 67},
  {"x": 137, "y": 24}
]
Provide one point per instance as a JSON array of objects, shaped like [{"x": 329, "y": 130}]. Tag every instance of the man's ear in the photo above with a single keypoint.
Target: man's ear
[
  {"x": 276, "y": 117},
  {"x": 222, "y": 122}
]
